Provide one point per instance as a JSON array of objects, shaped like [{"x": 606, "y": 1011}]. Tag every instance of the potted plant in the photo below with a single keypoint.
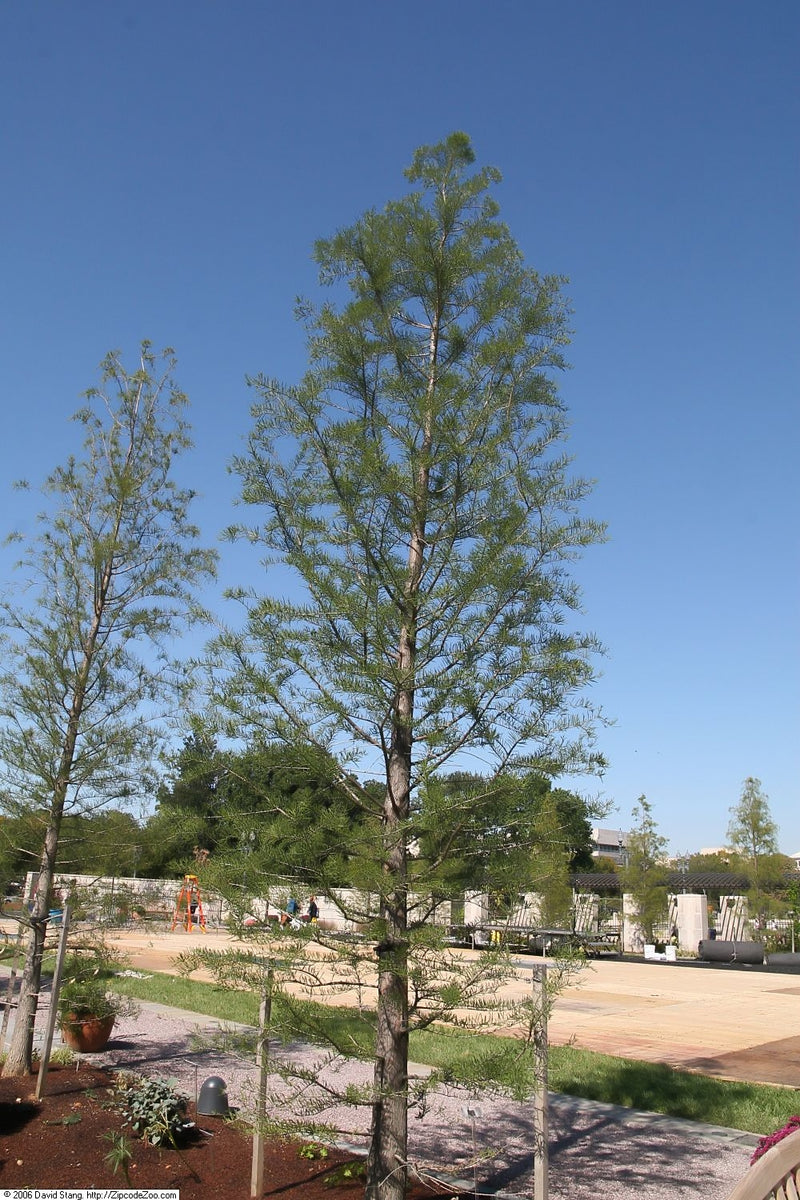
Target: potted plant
[{"x": 87, "y": 1010}]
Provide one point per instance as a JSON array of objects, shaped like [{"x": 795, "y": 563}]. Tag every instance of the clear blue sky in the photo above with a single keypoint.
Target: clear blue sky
[{"x": 166, "y": 168}]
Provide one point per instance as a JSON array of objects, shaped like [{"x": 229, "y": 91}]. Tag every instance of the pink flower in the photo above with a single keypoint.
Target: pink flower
[{"x": 772, "y": 1139}]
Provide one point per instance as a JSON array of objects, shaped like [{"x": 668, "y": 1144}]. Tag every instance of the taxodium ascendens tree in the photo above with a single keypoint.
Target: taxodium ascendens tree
[
  {"x": 109, "y": 579},
  {"x": 415, "y": 486}
]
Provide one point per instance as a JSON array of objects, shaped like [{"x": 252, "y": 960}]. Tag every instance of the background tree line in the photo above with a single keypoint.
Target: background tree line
[
  {"x": 230, "y": 803},
  {"x": 233, "y": 804}
]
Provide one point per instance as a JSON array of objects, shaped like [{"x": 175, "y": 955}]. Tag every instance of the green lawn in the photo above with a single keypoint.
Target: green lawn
[{"x": 757, "y": 1108}]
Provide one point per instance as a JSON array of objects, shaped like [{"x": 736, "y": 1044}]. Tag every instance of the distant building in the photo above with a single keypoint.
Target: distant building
[
  {"x": 610, "y": 843},
  {"x": 796, "y": 859}
]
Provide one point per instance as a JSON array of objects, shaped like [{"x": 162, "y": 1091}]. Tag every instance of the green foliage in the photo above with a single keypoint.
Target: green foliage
[
  {"x": 21, "y": 835},
  {"x": 100, "y": 843},
  {"x": 120, "y": 1154},
  {"x": 429, "y": 400},
  {"x": 509, "y": 833},
  {"x": 602, "y": 864},
  {"x": 345, "y": 1174},
  {"x": 113, "y": 567},
  {"x": 721, "y": 860},
  {"x": 104, "y": 844},
  {"x": 85, "y": 984},
  {"x": 414, "y": 487},
  {"x": 82, "y": 1000},
  {"x": 153, "y": 1109},
  {"x": 264, "y": 810},
  {"x": 751, "y": 830},
  {"x": 109, "y": 577},
  {"x": 645, "y": 874},
  {"x": 754, "y": 834},
  {"x": 62, "y": 1056},
  {"x": 188, "y": 809},
  {"x": 313, "y": 1151}
]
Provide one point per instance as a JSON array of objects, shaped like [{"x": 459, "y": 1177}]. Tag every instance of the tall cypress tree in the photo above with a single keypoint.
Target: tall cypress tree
[
  {"x": 110, "y": 577},
  {"x": 414, "y": 484}
]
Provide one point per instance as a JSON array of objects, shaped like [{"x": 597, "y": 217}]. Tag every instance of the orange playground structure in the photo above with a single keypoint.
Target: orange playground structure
[{"x": 189, "y": 908}]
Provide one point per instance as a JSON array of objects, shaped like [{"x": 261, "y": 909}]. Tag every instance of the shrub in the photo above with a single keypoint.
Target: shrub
[
  {"x": 83, "y": 993},
  {"x": 154, "y": 1110}
]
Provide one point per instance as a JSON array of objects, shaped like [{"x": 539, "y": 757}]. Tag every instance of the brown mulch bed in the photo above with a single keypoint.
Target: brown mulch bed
[{"x": 59, "y": 1143}]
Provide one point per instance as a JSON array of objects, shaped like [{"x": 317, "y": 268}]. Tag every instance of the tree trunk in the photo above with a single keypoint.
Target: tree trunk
[
  {"x": 19, "y": 1060},
  {"x": 387, "y": 1169},
  {"x": 386, "y": 1164}
]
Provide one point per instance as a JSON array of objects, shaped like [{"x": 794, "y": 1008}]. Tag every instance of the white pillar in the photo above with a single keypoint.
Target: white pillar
[
  {"x": 692, "y": 921},
  {"x": 529, "y": 912},
  {"x": 476, "y": 908},
  {"x": 632, "y": 933}
]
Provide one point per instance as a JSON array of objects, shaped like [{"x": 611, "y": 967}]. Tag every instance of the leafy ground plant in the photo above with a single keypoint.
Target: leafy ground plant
[
  {"x": 154, "y": 1110},
  {"x": 62, "y": 1056},
  {"x": 345, "y": 1174},
  {"x": 312, "y": 1150},
  {"x": 120, "y": 1154}
]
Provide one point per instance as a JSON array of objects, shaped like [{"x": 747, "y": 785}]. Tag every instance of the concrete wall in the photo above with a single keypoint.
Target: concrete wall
[
  {"x": 345, "y": 909},
  {"x": 155, "y": 895}
]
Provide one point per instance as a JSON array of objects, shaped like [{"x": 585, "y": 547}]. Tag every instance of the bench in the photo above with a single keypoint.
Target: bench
[{"x": 774, "y": 1176}]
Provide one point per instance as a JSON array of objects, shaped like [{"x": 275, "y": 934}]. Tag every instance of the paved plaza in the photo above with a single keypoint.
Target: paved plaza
[{"x": 729, "y": 1021}]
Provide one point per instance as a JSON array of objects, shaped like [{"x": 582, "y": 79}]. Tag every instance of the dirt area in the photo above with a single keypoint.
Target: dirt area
[{"x": 63, "y": 1141}]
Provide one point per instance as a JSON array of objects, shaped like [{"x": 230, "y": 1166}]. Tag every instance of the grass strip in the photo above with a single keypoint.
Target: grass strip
[{"x": 652, "y": 1087}]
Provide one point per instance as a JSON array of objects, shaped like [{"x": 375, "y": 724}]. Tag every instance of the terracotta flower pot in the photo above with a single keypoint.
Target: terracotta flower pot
[{"x": 87, "y": 1035}]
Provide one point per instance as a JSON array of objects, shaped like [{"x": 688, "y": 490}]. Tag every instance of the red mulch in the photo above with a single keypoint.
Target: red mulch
[{"x": 42, "y": 1145}]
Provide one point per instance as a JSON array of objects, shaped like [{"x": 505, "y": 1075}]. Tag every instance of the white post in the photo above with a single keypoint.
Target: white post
[
  {"x": 262, "y": 1059},
  {"x": 53, "y": 1014},
  {"x": 540, "y": 1114},
  {"x": 632, "y": 935},
  {"x": 476, "y": 908}
]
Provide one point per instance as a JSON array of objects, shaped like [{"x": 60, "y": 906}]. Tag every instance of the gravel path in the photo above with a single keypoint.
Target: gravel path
[{"x": 595, "y": 1150}]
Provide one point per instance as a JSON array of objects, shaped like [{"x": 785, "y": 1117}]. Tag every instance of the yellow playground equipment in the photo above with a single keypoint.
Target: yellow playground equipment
[{"x": 189, "y": 908}]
